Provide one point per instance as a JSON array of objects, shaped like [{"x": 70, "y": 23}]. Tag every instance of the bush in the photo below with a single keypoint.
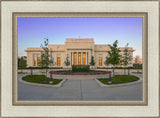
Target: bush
[
  {"x": 137, "y": 66},
  {"x": 80, "y": 68},
  {"x": 116, "y": 68},
  {"x": 42, "y": 68}
]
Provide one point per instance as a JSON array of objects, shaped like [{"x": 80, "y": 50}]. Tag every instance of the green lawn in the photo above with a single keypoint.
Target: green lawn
[
  {"x": 119, "y": 79},
  {"x": 40, "y": 79}
]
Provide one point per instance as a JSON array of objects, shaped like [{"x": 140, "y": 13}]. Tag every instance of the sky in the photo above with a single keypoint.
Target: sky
[{"x": 33, "y": 31}]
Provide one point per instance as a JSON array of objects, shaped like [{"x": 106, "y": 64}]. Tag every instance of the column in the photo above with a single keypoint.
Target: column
[
  {"x": 86, "y": 59},
  {"x": 81, "y": 58},
  {"x": 77, "y": 58},
  {"x": 89, "y": 56},
  {"x": 36, "y": 60},
  {"x": 33, "y": 59},
  {"x": 56, "y": 59},
  {"x": 72, "y": 58}
]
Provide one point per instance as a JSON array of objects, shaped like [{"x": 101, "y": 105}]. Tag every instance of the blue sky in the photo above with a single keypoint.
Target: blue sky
[{"x": 33, "y": 31}]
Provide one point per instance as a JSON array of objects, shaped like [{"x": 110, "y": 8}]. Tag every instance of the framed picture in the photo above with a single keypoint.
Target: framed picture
[{"x": 80, "y": 59}]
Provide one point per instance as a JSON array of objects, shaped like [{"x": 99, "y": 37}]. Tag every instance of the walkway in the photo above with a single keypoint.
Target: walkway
[{"x": 79, "y": 90}]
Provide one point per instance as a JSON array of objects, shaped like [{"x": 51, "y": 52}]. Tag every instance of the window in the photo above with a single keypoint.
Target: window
[
  {"x": 79, "y": 58},
  {"x": 58, "y": 61},
  {"x": 75, "y": 58},
  {"x": 120, "y": 64},
  {"x": 34, "y": 61},
  {"x": 39, "y": 61},
  {"x": 84, "y": 58},
  {"x": 124, "y": 62},
  {"x": 100, "y": 61}
]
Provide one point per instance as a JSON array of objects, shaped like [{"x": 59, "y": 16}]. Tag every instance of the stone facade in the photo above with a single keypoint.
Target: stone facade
[{"x": 79, "y": 52}]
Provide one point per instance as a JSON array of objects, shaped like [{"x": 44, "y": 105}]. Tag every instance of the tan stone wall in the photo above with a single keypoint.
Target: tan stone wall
[{"x": 73, "y": 45}]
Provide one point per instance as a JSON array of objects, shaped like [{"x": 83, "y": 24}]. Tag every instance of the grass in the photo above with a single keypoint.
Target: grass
[
  {"x": 137, "y": 72},
  {"x": 40, "y": 79},
  {"x": 119, "y": 79}
]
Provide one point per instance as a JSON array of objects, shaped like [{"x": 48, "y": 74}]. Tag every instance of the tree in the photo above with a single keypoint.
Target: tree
[
  {"x": 126, "y": 57},
  {"x": 67, "y": 62},
  {"x": 22, "y": 63},
  {"x": 114, "y": 56},
  {"x": 107, "y": 61},
  {"x": 45, "y": 57},
  {"x": 92, "y": 63},
  {"x": 136, "y": 62},
  {"x": 31, "y": 70}
]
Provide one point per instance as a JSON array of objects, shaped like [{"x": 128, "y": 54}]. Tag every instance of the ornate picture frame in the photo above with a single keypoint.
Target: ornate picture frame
[{"x": 11, "y": 10}]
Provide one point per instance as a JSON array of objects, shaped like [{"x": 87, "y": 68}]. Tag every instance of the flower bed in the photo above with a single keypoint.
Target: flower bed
[{"x": 69, "y": 72}]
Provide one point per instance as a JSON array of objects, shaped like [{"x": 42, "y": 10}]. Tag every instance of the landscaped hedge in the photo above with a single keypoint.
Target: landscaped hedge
[
  {"x": 41, "y": 68},
  {"x": 118, "y": 68},
  {"x": 80, "y": 68}
]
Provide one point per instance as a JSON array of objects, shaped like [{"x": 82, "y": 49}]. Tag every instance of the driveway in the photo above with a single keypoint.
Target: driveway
[{"x": 79, "y": 90}]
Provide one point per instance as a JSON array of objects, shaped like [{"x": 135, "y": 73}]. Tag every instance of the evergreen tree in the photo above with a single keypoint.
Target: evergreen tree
[
  {"x": 114, "y": 56},
  {"x": 136, "y": 63},
  {"x": 126, "y": 57},
  {"x": 45, "y": 57},
  {"x": 22, "y": 63},
  {"x": 67, "y": 62},
  {"x": 92, "y": 63}
]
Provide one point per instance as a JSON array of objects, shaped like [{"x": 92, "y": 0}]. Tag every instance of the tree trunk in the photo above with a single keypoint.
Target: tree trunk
[
  {"x": 50, "y": 77},
  {"x": 46, "y": 72},
  {"x": 110, "y": 76},
  {"x": 31, "y": 72},
  {"x": 128, "y": 72},
  {"x": 124, "y": 72},
  {"x": 21, "y": 70},
  {"x": 137, "y": 68},
  {"x": 113, "y": 72}
]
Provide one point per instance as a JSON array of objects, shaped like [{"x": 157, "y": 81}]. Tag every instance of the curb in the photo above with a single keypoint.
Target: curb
[
  {"x": 43, "y": 85},
  {"x": 118, "y": 85}
]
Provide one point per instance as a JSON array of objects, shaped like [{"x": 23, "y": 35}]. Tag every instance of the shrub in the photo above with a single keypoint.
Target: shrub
[
  {"x": 80, "y": 68},
  {"x": 116, "y": 68},
  {"x": 137, "y": 66},
  {"x": 42, "y": 68}
]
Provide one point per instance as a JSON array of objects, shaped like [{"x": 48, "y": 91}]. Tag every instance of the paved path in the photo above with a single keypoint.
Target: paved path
[{"x": 79, "y": 90}]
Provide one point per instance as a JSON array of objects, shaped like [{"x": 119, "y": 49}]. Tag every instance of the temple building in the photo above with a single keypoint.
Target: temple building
[{"x": 78, "y": 50}]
